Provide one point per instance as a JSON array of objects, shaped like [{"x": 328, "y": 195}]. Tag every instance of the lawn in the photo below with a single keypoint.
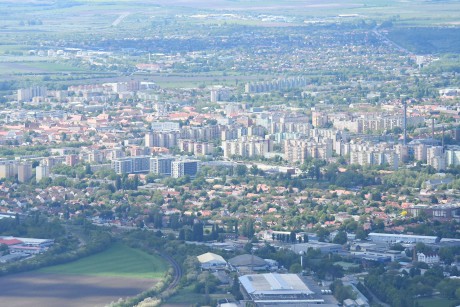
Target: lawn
[
  {"x": 437, "y": 302},
  {"x": 117, "y": 261}
]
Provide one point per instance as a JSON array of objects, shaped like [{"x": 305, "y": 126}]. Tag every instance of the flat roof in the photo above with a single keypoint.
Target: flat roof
[
  {"x": 400, "y": 235},
  {"x": 274, "y": 284}
]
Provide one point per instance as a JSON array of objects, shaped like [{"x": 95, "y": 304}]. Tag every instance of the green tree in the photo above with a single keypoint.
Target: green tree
[
  {"x": 295, "y": 268},
  {"x": 241, "y": 170},
  {"x": 340, "y": 238}
]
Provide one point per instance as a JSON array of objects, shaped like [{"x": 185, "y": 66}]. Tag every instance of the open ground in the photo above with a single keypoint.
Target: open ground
[
  {"x": 42, "y": 289},
  {"x": 97, "y": 280}
]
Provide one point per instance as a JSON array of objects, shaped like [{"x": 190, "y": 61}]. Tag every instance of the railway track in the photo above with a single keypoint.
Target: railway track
[{"x": 177, "y": 272}]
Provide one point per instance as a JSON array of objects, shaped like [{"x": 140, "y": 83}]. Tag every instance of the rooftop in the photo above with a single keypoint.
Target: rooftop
[
  {"x": 210, "y": 257},
  {"x": 274, "y": 284}
]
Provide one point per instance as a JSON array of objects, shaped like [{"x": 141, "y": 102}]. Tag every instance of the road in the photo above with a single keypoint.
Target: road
[
  {"x": 389, "y": 42},
  {"x": 120, "y": 19}
]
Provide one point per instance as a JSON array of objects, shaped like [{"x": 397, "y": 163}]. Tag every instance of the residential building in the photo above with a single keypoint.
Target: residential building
[
  {"x": 41, "y": 172},
  {"x": 247, "y": 147},
  {"x": 428, "y": 258},
  {"x": 8, "y": 169},
  {"x": 165, "y": 139},
  {"x": 24, "y": 172},
  {"x": 131, "y": 165},
  {"x": 196, "y": 147},
  {"x": 27, "y": 94},
  {"x": 185, "y": 168},
  {"x": 161, "y": 165},
  {"x": 301, "y": 150},
  {"x": 71, "y": 160}
]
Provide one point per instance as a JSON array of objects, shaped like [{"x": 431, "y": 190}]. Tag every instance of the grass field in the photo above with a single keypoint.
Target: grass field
[
  {"x": 437, "y": 302},
  {"x": 117, "y": 261},
  {"x": 186, "y": 295}
]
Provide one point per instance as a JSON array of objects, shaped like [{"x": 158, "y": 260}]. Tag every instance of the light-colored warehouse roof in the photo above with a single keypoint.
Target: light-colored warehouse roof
[
  {"x": 208, "y": 257},
  {"x": 273, "y": 284}
]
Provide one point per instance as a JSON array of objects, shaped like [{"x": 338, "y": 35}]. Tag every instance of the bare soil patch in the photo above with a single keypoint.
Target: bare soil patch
[{"x": 39, "y": 289}]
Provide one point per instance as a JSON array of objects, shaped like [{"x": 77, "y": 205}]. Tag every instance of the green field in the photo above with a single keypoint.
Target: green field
[
  {"x": 437, "y": 302},
  {"x": 187, "y": 295},
  {"x": 117, "y": 261}
]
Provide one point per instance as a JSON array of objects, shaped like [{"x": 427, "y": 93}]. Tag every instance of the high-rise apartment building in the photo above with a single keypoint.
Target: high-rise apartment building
[
  {"x": 24, "y": 172},
  {"x": 26, "y": 94},
  {"x": 161, "y": 165},
  {"x": 8, "y": 169},
  {"x": 185, "y": 167},
  {"x": 131, "y": 165},
  {"x": 41, "y": 172}
]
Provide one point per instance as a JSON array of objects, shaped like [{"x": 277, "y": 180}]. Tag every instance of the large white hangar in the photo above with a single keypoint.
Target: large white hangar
[{"x": 276, "y": 288}]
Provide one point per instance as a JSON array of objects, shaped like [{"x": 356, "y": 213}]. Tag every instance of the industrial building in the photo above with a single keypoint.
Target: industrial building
[
  {"x": 400, "y": 238},
  {"x": 248, "y": 263},
  {"x": 325, "y": 248},
  {"x": 274, "y": 288},
  {"x": 211, "y": 261}
]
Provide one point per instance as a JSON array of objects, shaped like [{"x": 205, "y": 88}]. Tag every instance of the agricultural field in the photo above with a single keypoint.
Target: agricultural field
[
  {"x": 97, "y": 280},
  {"x": 117, "y": 261},
  {"x": 170, "y": 26}
]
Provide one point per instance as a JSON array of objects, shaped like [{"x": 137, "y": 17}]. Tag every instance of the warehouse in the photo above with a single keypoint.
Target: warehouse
[
  {"x": 400, "y": 238},
  {"x": 210, "y": 261},
  {"x": 247, "y": 263},
  {"x": 276, "y": 288},
  {"x": 323, "y": 247}
]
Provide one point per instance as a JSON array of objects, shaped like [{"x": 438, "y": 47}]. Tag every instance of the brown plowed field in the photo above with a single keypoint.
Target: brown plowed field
[{"x": 39, "y": 289}]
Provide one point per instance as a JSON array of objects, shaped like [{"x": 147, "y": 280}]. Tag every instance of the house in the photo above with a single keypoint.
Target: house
[{"x": 428, "y": 258}]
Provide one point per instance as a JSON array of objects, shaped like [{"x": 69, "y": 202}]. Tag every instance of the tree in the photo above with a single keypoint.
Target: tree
[
  {"x": 446, "y": 254},
  {"x": 118, "y": 183},
  {"x": 197, "y": 232},
  {"x": 247, "y": 228},
  {"x": 295, "y": 268},
  {"x": 254, "y": 170},
  {"x": 361, "y": 234},
  {"x": 241, "y": 170},
  {"x": 322, "y": 234},
  {"x": 340, "y": 238},
  {"x": 292, "y": 237},
  {"x": 305, "y": 238},
  {"x": 448, "y": 288}
]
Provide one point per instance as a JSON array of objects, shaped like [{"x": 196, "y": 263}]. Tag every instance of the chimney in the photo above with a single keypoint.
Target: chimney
[
  {"x": 442, "y": 141},
  {"x": 405, "y": 121}
]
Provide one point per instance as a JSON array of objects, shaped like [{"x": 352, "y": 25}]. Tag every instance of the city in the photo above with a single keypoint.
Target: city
[{"x": 230, "y": 153}]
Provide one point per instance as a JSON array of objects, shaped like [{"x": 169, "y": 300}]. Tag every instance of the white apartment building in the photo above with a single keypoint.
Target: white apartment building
[
  {"x": 41, "y": 172},
  {"x": 300, "y": 150},
  {"x": 247, "y": 147}
]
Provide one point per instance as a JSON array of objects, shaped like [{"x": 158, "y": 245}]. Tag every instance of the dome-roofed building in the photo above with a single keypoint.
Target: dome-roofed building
[
  {"x": 248, "y": 262},
  {"x": 210, "y": 261}
]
